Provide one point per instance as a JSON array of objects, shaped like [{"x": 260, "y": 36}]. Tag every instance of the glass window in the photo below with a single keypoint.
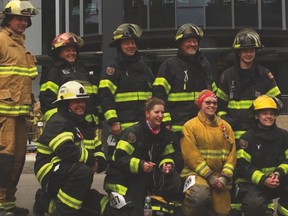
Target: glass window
[
  {"x": 135, "y": 11},
  {"x": 91, "y": 16},
  {"x": 272, "y": 13},
  {"x": 162, "y": 13},
  {"x": 246, "y": 13},
  {"x": 190, "y": 11},
  {"x": 74, "y": 16},
  {"x": 219, "y": 13}
]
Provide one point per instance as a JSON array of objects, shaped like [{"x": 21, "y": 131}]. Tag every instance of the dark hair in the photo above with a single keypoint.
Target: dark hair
[{"x": 151, "y": 102}]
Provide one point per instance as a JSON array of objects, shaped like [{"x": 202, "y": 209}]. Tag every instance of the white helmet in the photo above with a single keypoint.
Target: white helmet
[{"x": 71, "y": 90}]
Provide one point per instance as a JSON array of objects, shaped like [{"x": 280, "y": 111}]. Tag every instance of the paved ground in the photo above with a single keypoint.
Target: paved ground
[{"x": 28, "y": 184}]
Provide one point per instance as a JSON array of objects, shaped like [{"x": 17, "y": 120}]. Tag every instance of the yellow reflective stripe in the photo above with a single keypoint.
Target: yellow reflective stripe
[
  {"x": 202, "y": 168},
  {"x": 61, "y": 138},
  {"x": 49, "y": 113},
  {"x": 84, "y": 155},
  {"x": 43, "y": 149},
  {"x": 46, "y": 168},
  {"x": 243, "y": 104},
  {"x": 161, "y": 81},
  {"x": 161, "y": 208},
  {"x": 132, "y": 96},
  {"x": 89, "y": 144},
  {"x": 183, "y": 96},
  {"x": 222, "y": 95},
  {"x": 134, "y": 164},
  {"x": 281, "y": 209},
  {"x": 51, "y": 206},
  {"x": 286, "y": 154},
  {"x": 214, "y": 87},
  {"x": 236, "y": 206},
  {"x": 92, "y": 118},
  {"x": 91, "y": 89},
  {"x": 125, "y": 146},
  {"x": 221, "y": 113},
  {"x": 228, "y": 169},
  {"x": 256, "y": 177},
  {"x": 238, "y": 134},
  {"x": 14, "y": 109},
  {"x": 167, "y": 117},
  {"x": 215, "y": 154},
  {"x": 271, "y": 205},
  {"x": 16, "y": 70},
  {"x": 103, "y": 203},
  {"x": 8, "y": 205},
  {"x": 69, "y": 200},
  {"x": 100, "y": 154},
  {"x": 128, "y": 124},
  {"x": 167, "y": 160},
  {"x": 168, "y": 149},
  {"x": 241, "y": 153},
  {"x": 176, "y": 128},
  {"x": 105, "y": 83},
  {"x": 284, "y": 167},
  {"x": 110, "y": 114},
  {"x": 51, "y": 86},
  {"x": 274, "y": 92},
  {"x": 116, "y": 188},
  {"x": 268, "y": 170}
]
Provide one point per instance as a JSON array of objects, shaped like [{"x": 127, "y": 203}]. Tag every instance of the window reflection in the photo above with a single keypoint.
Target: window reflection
[
  {"x": 246, "y": 13},
  {"x": 272, "y": 13},
  {"x": 135, "y": 11},
  {"x": 219, "y": 13},
  {"x": 74, "y": 16},
  {"x": 162, "y": 13},
  {"x": 91, "y": 16}
]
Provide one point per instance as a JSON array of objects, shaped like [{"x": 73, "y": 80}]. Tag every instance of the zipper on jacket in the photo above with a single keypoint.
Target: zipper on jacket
[{"x": 185, "y": 79}]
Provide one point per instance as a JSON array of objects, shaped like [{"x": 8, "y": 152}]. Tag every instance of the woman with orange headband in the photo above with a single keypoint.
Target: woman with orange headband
[{"x": 209, "y": 154}]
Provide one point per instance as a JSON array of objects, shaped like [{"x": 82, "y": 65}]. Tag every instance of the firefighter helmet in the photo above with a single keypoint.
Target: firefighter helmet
[
  {"x": 264, "y": 102},
  {"x": 71, "y": 90},
  {"x": 188, "y": 30},
  {"x": 19, "y": 8},
  {"x": 125, "y": 31},
  {"x": 66, "y": 39},
  {"x": 247, "y": 38}
]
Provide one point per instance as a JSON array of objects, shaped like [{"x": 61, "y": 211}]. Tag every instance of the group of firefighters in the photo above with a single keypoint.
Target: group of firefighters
[{"x": 196, "y": 145}]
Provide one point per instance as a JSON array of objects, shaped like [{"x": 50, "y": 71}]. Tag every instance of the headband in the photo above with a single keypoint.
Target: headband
[{"x": 204, "y": 96}]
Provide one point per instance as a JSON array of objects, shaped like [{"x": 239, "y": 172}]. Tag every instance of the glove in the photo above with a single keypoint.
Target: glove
[
  {"x": 212, "y": 180},
  {"x": 222, "y": 181}
]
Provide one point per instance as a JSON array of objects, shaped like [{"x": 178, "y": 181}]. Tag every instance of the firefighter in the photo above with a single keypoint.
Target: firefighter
[
  {"x": 18, "y": 69},
  {"x": 240, "y": 84},
  {"x": 143, "y": 164},
  {"x": 181, "y": 78},
  {"x": 66, "y": 67},
  {"x": 126, "y": 83},
  {"x": 263, "y": 161},
  {"x": 68, "y": 155},
  {"x": 209, "y": 153}
]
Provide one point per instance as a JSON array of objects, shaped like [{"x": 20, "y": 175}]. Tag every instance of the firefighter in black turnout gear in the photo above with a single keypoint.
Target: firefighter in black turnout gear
[
  {"x": 262, "y": 160},
  {"x": 67, "y": 67},
  {"x": 181, "y": 78},
  {"x": 68, "y": 155},
  {"x": 126, "y": 83},
  {"x": 143, "y": 164},
  {"x": 239, "y": 85}
]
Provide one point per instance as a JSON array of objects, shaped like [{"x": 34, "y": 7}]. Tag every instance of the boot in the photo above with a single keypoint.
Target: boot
[
  {"x": 6, "y": 213},
  {"x": 18, "y": 211},
  {"x": 41, "y": 205}
]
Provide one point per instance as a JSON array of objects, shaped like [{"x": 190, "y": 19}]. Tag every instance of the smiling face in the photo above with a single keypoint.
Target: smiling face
[
  {"x": 128, "y": 47},
  {"x": 77, "y": 106},
  {"x": 247, "y": 57},
  {"x": 267, "y": 117},
  {"x": 189, "y": 46},
  {"x": 18, "y": 24},
  {"x": 69, "y": 53},
  {"x": 155, "y": 115},
  {"x": 209, "y": 107}
]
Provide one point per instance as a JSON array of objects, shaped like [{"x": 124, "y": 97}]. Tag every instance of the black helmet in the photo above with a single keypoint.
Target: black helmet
[
  {"x": 125, "y": 31},
  {"x": 188, "y": 30},
  {"x": 247, "y": 38}
]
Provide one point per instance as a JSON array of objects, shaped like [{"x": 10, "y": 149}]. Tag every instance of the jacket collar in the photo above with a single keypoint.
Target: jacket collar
[
  {"x": 213, "y": 123},
  {"x": 17, "y": 38}
]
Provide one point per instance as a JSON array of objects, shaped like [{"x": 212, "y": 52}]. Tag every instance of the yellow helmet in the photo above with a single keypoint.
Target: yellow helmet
[
  {"x": 247, "y": 38},
  {"x": 65, "y": 39},
  {"x": 188, "y": 30},
  {"x": 125, "y": 31},
  {"x": 71, "y": 90},
  {"x": 21, "y": 8},
  {"x": 264, "y": 102}
]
